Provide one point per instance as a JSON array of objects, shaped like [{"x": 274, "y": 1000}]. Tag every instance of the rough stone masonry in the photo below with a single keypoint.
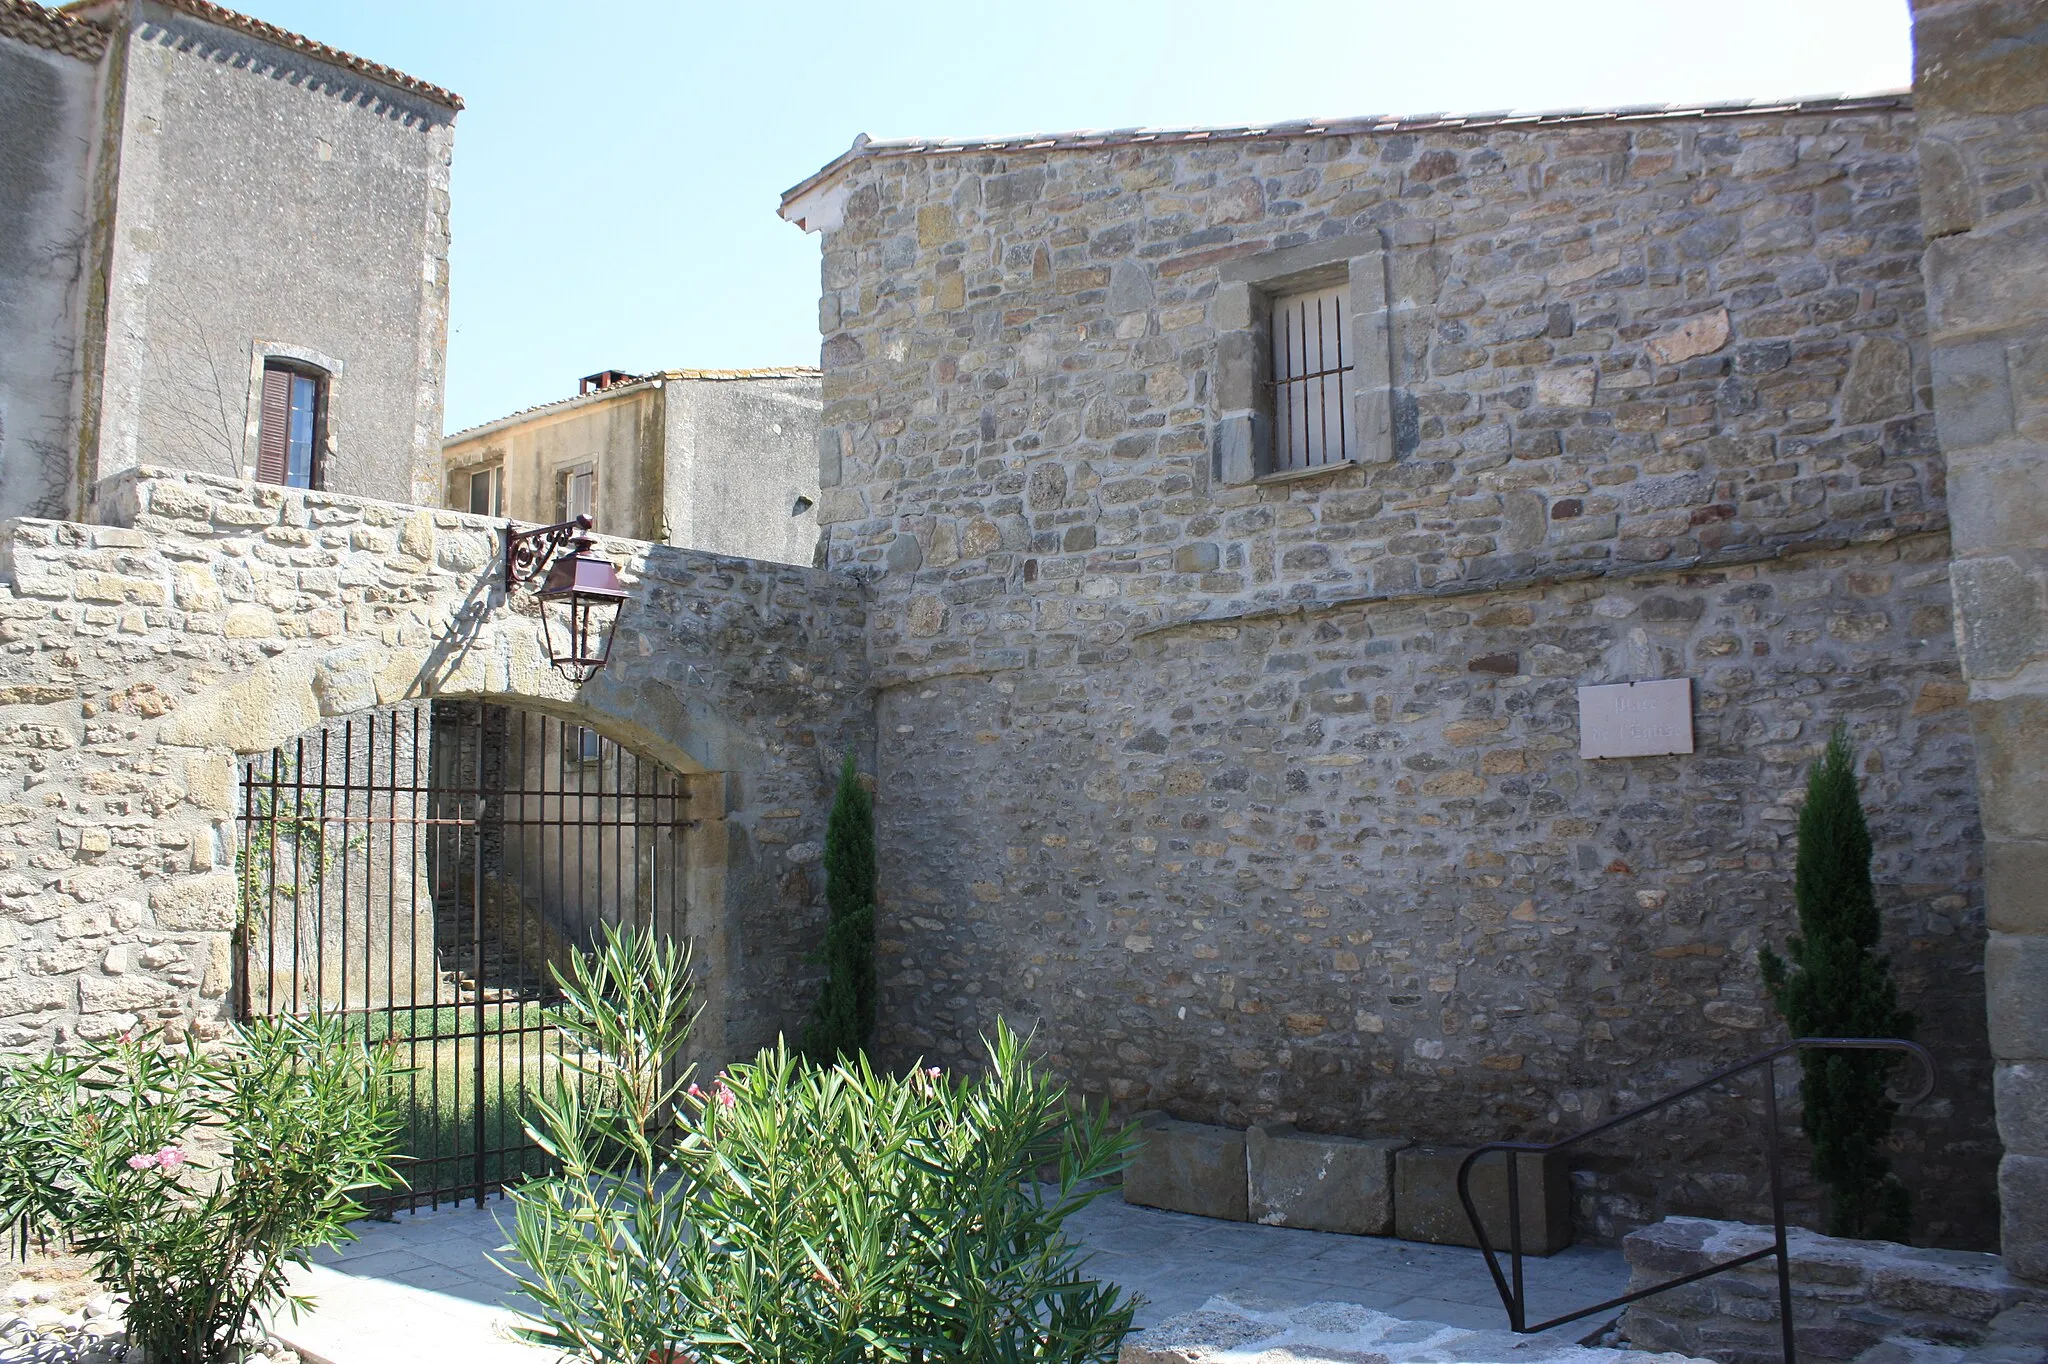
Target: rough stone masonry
[
  {"x": 138, "y": 660},
  {"x": 1258, "y": 796}
]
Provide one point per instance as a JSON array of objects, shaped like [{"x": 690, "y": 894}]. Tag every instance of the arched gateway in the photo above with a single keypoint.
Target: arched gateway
[
  {"x": 423, "y": 870},
  {"x": 273, "y": 748}
]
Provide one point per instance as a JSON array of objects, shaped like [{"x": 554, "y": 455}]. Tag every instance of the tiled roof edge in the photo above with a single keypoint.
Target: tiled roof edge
[
  {"x": 52, "y": 30},
  {"x": 701, "y": 375},
  {"x": 298, "y": 42},
  {"x": 1090, "y": 140}
]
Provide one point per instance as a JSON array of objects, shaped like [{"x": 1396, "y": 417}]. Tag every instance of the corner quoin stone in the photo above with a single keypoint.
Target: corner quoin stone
[
  {"x": 1320, "y": 1183},
  {"x": 1188, "y": 1167},
  {"x": 1426, "y": 1206}
]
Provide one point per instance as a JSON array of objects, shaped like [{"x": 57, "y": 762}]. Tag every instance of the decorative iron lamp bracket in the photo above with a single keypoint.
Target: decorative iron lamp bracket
[
  {"x": 528, "y": 553},
  {"x": 580, "y": 595}
]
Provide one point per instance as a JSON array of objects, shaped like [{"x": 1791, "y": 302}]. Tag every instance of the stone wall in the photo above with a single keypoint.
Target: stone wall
[
  {"x": 1262, "y": 800},
  {"x": 741, "y": 474},
  {"x": 47, "y": 106},
  {"x": 213, "y": 618},
  {"x": 261, "y": 201},
  {"x": 1981, "y": 77}
]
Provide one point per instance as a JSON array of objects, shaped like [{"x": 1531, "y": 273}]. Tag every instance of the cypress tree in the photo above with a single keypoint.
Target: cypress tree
[
  {"x": 1836, "y": 985},
  {"x": 844, "y": 1018}
]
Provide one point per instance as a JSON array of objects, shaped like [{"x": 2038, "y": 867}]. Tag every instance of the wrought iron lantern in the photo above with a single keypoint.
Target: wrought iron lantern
[{"x": 580, "y": 598}]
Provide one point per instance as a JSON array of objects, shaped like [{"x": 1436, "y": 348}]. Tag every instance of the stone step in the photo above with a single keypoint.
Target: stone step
[{"x": 1875, "y": 1301}]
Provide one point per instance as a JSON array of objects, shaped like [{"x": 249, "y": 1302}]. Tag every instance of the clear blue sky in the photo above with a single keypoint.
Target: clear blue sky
[{"x": 618, "y": 166}]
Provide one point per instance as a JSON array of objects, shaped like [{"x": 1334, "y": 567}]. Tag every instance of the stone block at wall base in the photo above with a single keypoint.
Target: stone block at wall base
[
  {"x": 2023, "y": 1215},
  {"x": 1426, "y": 1205},
  {"x": 1320, "y": 1183},
  {"x": 1187, "y": 1167}
]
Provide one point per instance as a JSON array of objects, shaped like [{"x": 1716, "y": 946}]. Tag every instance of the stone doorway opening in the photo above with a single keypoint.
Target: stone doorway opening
[{"x": 421, "y": 871}]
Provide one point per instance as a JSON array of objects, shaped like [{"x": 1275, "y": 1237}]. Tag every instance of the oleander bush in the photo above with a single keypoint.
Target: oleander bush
[
  {"x": 797, "y": 1212},
  {"x": 193, "y": 1176}
]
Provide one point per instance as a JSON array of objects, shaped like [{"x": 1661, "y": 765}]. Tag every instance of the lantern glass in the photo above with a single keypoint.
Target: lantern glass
[
  {"x": 580, "y": 604},
  {"x": 579, "y": 630}
]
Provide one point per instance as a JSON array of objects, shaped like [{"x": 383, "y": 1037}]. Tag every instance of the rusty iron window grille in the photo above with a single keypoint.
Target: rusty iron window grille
[
  {"x": 1514, "y": 1293},
  {"x": 420, "y": 871},
  {"x": 1312, "y": 381}
]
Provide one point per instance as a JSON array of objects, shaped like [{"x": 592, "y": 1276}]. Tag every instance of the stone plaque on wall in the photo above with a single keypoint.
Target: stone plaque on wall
[{"x": 1636, "y": 719}]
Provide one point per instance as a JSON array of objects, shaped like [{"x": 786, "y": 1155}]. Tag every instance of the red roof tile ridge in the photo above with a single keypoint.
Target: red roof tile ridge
[
  {"x": 1093, "y": 138},
  {"x": 293, "y": 42},
  {"x": 52, "y": 30}
]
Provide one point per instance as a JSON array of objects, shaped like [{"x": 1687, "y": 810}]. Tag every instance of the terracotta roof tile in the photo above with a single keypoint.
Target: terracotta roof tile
[
  {"x": 52, "y": 29},
  {"x": 291, "y": 42},
  {"x": 1088, "y": 140},
  {"x": 666, "y": 375}
]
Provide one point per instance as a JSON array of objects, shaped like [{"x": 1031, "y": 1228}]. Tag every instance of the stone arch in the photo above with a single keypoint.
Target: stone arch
[{"x": 305, "y": 690}]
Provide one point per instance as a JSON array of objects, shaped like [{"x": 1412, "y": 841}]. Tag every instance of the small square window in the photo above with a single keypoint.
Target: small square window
[
  {"x": 580, "y": 745},
  {"x": 1312, "y": 422}
]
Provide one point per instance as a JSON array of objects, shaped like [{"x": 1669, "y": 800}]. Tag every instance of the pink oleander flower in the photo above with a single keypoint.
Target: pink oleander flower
[
  {"x": 696, "y": 1092},
  {"x": 170, "y": 1158},
  {"x": 934, "y": 1072},
  {"x": 726, "y": 1097},
  {"x": 142, "y": 1162}
]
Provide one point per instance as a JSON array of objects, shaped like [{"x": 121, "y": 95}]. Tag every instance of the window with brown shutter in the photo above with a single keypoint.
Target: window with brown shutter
[{"x": 291, "y": 431}]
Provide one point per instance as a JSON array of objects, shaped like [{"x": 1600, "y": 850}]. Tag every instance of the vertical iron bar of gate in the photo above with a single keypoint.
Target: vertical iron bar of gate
[
  {"x": 244, "y": 879},
  {"x": 298, "y": 865},
  {"x": 1778, "y": 1207},
  {"x": 476, "y": 896},
  {"x": 270, "y": 903},
  {"x": 428, "y": 869},
  {"x": 559, "y": 747},
  {"x": 523, "y": 988},
  {"x": 438, "y": 836},
  {"x": 320, "y": 886},
  {"x": 348, "y": 757}
]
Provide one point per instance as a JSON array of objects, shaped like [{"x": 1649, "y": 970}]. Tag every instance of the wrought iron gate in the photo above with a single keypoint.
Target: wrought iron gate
[{"x": 420, "y": 871}]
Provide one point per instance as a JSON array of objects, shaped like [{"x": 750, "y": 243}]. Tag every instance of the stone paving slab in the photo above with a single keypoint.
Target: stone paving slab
[
  {"x": 1227, "y": 1332},
  {"x": 1177, "y": 1262},
  {"x": 367, "y": 1320}
]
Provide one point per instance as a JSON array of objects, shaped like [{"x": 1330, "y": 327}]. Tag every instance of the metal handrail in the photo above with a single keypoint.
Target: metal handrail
[{"x": 1514, "y": 1296}]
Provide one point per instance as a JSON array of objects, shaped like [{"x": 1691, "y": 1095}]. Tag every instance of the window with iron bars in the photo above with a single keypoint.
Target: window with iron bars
[{"x": 1312, "y": 380}]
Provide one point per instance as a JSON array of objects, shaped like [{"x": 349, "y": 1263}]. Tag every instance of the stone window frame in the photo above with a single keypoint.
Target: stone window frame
[
  {"x": 1242, "y": 313},
  {"x": 458, "y": 468},
  {"x": 332, "y": 402}
]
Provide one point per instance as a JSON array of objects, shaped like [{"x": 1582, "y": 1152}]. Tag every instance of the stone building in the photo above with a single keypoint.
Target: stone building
[
  {"x": 204, "y": 213},
  {"x": 1244, "y": 508},
  {"x": 721, "y": 460},
  {"x": 1218, "y": 527}
]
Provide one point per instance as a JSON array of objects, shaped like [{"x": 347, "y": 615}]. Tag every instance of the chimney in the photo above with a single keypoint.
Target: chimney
[{"x": 602, "y": 380}]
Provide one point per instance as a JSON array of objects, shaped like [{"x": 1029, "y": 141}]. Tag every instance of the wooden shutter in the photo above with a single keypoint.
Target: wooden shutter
[{"x": 274, "y": 427}]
